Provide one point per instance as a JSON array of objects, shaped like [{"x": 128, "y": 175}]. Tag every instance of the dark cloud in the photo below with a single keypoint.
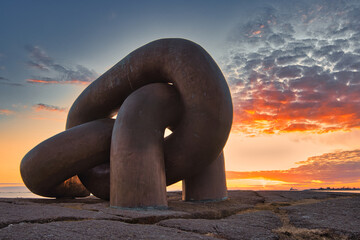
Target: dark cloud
[
  {"x": 289, "y": 72},
  {"x": 285, "y": 60},
  {"x": 38, "y": 66},
  {"x": 348, "y": 61},
  {"x": 339, "y": 167},
  {"x": 5, "y": 81},
  {"x": 257, "y": 28},
  {"x": 47, "y": 107},
  {"x": 56, "y": 73},
  {"x": 296, "y": 68},
  {"x": 276, "y": 40}
]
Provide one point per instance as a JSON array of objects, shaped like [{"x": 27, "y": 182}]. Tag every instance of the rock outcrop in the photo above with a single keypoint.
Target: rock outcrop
[{"x": 245, "y": 215}]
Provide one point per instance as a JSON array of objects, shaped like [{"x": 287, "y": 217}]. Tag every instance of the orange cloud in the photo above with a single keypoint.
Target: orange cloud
[
  {"x": 6, "y": 112},
  {"x": 340, "y": 168},
  {"x": 46, "y": 107},
  {"x": 281, "y": 108},
  {"x": 48, "y": 81}
]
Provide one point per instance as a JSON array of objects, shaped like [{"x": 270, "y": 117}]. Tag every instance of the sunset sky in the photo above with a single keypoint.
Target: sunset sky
[{"x": 293, "y": 68}]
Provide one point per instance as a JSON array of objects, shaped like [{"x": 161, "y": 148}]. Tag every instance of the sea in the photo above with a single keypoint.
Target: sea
[{"x": 18, "y": 190}]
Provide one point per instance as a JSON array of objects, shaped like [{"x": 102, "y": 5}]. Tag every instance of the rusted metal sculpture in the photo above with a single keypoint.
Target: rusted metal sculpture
[{"x": 168, "y": 83}]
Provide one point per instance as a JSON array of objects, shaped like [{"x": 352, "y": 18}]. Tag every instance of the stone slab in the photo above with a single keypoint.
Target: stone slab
[
  {"x": 12, "y": 213},
  {"x": 245, "y": 197},
  {"x": 244, "y": 215},
  {"x": 237, "y": 201},
  {"x": 252, "y": 225},
  {"x": 94, "y": 229},
  {"x": 31, "y": 210},
  {"x": 149, "y": 215},
  {"x": 341, "y": 215},
  {"x": 286, "y": 196}
]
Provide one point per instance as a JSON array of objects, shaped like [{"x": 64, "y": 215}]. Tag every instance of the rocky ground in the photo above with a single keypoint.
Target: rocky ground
[{"x": 245, "y": 215}]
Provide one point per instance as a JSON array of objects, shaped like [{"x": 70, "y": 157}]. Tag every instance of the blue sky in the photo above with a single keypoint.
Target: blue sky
[{"x": 97, "y": 34}]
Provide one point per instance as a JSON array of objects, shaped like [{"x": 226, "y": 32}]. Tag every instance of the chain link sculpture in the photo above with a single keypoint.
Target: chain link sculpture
[{"x": 168, "y": 83}]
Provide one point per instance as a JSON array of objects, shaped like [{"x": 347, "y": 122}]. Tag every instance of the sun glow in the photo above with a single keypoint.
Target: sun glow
[{"x": 255, "y": 183}]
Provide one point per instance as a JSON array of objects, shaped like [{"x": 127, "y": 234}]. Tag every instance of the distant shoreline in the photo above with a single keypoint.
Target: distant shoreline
[
  {"x": 23, "y": 192},
  {"x": 335, "y": 189}
]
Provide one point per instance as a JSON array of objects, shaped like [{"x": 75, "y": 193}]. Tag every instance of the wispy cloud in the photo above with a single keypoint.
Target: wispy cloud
[
  {"x": 47, "y": 107},
  {"x": 54, "y": 81},
  {"x": 5, "y": 81},
  {"x": 341, "y": 167},
  {"x": 296, "y": 69},
  {"x": 6, "y": 112},
  {"x": 55, "y": 72}
]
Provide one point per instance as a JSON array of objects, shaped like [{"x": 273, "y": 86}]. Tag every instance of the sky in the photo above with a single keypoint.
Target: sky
[{"x": 293, "y": 68}]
